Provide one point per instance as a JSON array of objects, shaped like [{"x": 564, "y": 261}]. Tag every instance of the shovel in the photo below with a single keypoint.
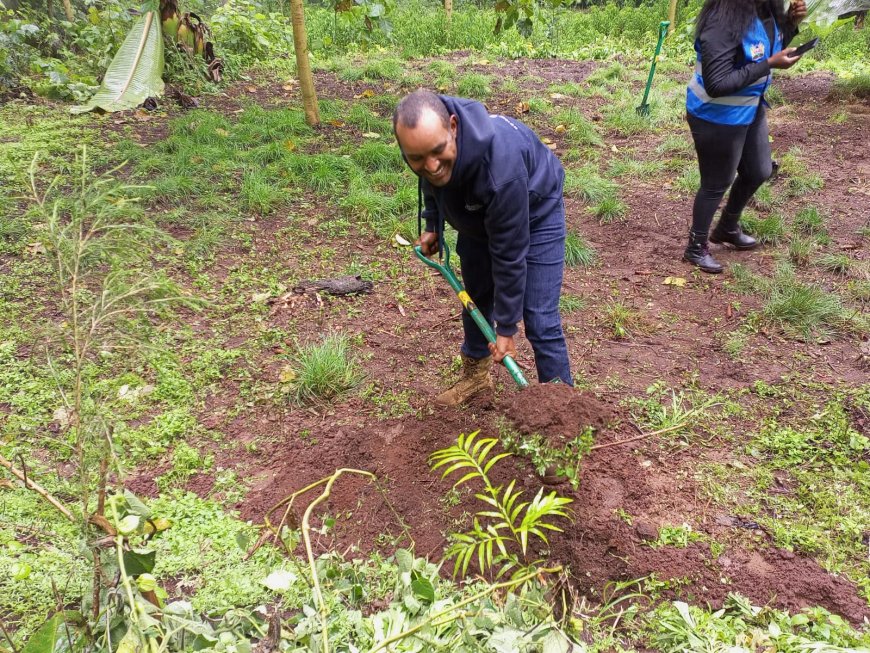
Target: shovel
[
  {"x": 643, "y": 109},
  {"x": 481, "y": 322}
]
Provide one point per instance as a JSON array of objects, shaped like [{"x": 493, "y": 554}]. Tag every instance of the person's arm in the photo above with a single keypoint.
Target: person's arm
[
  {"x": 718, "y": 52},
  {"x": 507, "y": 225},
  {"x": 797, "y": 11}
]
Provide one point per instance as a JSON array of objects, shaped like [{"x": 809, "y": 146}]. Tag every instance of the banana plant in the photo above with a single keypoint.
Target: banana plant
[
  {"x": 823, "y": 13},
  {"x": 136, "y": 72}
]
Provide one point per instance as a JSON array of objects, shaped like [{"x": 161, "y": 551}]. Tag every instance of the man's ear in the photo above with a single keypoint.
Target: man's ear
[{"x": 454, "y": 122}]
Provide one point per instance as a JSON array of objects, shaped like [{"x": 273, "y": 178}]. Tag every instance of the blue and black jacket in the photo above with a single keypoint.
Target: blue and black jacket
[
  {"x": 731, "y": 76},
  {"x": 504, "y": 182}
]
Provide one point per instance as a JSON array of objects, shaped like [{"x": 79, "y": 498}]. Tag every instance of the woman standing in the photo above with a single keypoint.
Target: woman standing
[{"x": 738, "y": 43}]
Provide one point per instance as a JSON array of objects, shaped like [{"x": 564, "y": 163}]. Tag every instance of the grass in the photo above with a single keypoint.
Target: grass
[
  {"x": 322, "y": 371},
  {"x": 858, "y": 86},
  {"x": 809, "y": 221},
  {"x": 474, "y": 85},
  {"x": 768, "y": 231},
  {"x": 587, "y": 184},
  {"x": 800, "y": 310},
  {"x": 578, "y": 251},
  {"x": 578, "y": 129},
  {"x": 609, "y": 209},
  {"x": 621, "y": 320},
  {"x": 571, "y": 303}
]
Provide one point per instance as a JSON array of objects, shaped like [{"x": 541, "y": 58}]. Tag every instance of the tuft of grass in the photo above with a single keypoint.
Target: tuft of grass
[
  {"x": 579, "y": 130},
  {"x": 377, "y": 156},
  {"x": 392, "y": 69},
  {"x": 809, "y": 221},
  {"x": 622, "y": 320},
  {"x": 571, "y": 303},
  {"x": 800, "y": 249},
  {"x": 323, "y": 371},
  {"x": 474, "y": 85},
  {"x": 259, "y": 193},
  {"x": 857, "y": 86},
  {"x": 539, "y": 105},
  {"x": 769, "y": 230},
  {"x": 609, "y": 209},
  {"x": 587, "y": 184},
  {"x": 803, "y": 310},
  {"x": 690, "y": 180},
  {"x": 615, "y": 72},
  {"x": 629, "y": 166},
  {"x": 367, "y": 121},
  {"x": 840, "y": 264},
  {"x": 578, "y": 251}
]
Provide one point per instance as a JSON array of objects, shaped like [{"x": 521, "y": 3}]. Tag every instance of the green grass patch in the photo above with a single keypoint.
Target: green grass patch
[
  {"x": 578, "y": 251},
  {"x": 322, "y": 371}
]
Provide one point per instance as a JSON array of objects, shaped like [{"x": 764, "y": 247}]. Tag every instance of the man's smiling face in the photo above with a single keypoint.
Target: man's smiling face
[{"x": 429, "y": 147}]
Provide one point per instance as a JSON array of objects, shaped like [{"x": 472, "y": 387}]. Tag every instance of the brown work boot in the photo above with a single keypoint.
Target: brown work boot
[{"x": 475, "y": 378}]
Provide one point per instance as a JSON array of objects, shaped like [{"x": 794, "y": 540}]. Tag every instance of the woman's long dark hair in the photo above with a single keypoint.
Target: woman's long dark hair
[{"x": 735, "y": 15}]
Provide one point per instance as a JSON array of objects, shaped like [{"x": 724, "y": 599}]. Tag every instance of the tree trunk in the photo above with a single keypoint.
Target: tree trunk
[
  {"x": 448, "y": 9},
  {"x": 303, "y": 65},
  {"x": 68, "y": 10},
  {"x": 672, "y": 16}
]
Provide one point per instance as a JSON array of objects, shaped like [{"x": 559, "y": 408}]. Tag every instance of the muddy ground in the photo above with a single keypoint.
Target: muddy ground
[{"x": 411, "y": 345}]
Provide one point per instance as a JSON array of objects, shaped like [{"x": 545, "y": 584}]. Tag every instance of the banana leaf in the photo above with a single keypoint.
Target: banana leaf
[
  {"x": 136, "y": 72},
  {"x": 822, "y": 13}
]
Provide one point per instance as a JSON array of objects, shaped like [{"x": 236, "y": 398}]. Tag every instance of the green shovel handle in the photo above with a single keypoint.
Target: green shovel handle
[
  {"x": 663, "y": 31},
  {"x": 484, "y": 326}
]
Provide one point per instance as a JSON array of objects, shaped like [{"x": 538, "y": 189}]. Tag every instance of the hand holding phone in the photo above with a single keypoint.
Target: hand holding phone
[{"x": 806, "y": 47}]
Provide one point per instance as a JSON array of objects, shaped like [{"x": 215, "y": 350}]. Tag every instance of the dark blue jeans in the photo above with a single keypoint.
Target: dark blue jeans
[{"x": 545, "y": 263}]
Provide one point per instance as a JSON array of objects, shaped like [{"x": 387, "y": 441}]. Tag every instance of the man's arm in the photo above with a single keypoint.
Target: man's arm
[{"x": 507, "y": 225}]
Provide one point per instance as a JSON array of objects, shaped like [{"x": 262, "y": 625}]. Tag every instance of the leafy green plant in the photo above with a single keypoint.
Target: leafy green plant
[
  {"x": 676, "y": 536},
  {"x": 508, "y": 522},
  {"x": 322, "y": 371},
  {"x": 622, "y": 320},
  {"x": 549, "y": 460}
]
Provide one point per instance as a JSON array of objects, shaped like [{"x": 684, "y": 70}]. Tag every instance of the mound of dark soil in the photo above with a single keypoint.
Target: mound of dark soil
[{"x": 557, "y": 411}]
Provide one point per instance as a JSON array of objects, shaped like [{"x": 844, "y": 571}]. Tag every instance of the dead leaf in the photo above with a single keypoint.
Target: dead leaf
[
  {"x": 552, "y": 146},
  {"x": 260, "y": 297},
  {"x": 680, "y": 282},
  {"x": 560, "y": 129},
  {"x": 36, "y": 248},
  {"x": 557, "y": 96},
  {"x": 290, "y": 145},
  {"x": 287, "y": 374},
  {"x": 613, "y": 148},
  {"x": 221, "y": 132},
  {"x": 251, "y": 89},
  {"x": 546, "y": 141},
  {"x": 371, "y": 135},
  {"x": 522, "y": 107},
  {"x": 401, "y": 310},
  {"x": 366, "y": 93},
  {"x": 336, "y": 123}
]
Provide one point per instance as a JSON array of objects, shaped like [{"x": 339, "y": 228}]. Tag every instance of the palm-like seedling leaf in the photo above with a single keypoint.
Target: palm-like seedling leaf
[
  {"x": 136, "y": 72},
  {"x": 468, "y": 453}
]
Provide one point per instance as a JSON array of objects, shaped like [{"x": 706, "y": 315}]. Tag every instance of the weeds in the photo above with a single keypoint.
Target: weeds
[
  {"x": 474, "y": 85},
  {"x": 621, "y": 320},
  {"x": 587, "y": 184}
]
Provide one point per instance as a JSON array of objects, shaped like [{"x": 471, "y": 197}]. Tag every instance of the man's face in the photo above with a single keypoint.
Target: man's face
[{"x": 430, "y": 147}]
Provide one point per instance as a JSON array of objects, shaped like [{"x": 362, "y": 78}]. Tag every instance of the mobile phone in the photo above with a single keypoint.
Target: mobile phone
[{"x": 806, "y": 47}]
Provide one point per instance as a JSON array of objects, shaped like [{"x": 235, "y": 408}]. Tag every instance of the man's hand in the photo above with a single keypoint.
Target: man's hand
[
  {"x": 428, "y": 242},
  {"x": 503, "y": 346},
  {"x": 797, "y": 11},
  {"x": 784, "y": 59}
]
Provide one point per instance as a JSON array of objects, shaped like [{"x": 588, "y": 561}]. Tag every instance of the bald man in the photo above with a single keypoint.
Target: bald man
[{"x": 493, "y": 180}]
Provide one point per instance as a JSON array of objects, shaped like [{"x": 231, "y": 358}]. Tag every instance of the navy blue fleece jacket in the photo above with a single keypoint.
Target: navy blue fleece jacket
[{"x": 504, "y": 182}]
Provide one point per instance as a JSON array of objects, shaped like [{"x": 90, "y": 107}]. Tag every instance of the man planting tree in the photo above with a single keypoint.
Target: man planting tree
[{"x": 500, "y": 187}]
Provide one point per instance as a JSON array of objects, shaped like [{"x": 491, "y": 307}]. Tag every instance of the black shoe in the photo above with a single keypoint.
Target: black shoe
[
  {"x": 734, "y": 236},
  {"x": 697, "y": 253}
]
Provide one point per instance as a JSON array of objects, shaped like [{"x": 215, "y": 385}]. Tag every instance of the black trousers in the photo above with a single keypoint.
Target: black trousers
[{"x": 726, "y": 151}]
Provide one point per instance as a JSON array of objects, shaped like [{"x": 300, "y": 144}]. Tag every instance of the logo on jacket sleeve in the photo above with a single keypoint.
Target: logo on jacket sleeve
[{"x": 757, "y": 51}]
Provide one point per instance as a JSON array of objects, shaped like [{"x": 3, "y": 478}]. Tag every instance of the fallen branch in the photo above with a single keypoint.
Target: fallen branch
[
  {"x": 676, "y": 427},
  {"x": 30, "y": 484}
]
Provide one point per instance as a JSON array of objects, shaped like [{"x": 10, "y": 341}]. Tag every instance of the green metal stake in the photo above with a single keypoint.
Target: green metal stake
[
  {"x": 643, "y": 109},
  {"x": 484, "y": 326}
]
